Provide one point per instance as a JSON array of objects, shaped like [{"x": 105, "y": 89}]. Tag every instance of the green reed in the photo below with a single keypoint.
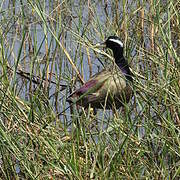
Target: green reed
[{"x": 45, "y": 45}]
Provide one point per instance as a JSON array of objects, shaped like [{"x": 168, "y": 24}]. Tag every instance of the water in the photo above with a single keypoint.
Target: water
[{"x": 75, "y": 22}]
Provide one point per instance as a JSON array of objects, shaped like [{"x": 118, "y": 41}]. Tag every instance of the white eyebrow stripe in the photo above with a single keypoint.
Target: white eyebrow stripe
[{"x": 117, "y": 41}]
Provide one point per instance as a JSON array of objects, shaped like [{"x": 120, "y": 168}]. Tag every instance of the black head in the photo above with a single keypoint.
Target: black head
[{"x": 114, "y": 42}]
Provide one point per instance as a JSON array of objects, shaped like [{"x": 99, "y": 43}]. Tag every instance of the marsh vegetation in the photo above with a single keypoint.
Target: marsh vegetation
[{"x": 47, "y": 51}]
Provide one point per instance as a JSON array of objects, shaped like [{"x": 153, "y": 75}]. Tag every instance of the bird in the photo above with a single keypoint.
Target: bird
[{"x": 110, "y": 88}]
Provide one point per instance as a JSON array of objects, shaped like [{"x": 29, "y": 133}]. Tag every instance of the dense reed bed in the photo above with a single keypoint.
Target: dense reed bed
[{"x": 47, "y": 51}]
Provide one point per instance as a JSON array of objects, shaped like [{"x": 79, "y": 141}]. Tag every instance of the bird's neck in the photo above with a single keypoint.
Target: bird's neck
[{"x": 122, "y": 64}]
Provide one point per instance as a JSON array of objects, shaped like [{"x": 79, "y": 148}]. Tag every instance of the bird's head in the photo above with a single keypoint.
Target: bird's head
[{"x": 114, "y": 42}]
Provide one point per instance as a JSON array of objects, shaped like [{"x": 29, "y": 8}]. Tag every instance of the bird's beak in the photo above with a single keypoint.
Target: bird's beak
[{"x": 100, "y": 45}]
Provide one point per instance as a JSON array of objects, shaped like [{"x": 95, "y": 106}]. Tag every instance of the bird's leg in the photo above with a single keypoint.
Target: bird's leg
[
  {"x": 115, "y": 112},
  {"x": 89, "y": 110},
  {"x": 93, "y": 111},
  {"x": 123, "y": 110}
]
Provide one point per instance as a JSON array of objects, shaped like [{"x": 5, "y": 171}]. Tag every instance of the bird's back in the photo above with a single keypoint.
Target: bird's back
[{"x": 105, "y": 88}]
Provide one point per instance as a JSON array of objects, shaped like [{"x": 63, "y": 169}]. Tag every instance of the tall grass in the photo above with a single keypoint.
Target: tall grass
[{"x": 47, "y": 50}]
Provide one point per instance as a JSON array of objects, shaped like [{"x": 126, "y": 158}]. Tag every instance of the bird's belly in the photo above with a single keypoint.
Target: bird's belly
[{"x": 116, "y": 91}]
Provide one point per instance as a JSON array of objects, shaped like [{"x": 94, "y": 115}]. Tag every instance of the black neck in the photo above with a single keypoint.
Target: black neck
[{"x": 122, "y": 63}]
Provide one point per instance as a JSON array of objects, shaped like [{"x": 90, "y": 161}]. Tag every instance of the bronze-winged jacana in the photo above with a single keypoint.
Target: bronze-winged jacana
[{"x": 110, "y": 87}]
